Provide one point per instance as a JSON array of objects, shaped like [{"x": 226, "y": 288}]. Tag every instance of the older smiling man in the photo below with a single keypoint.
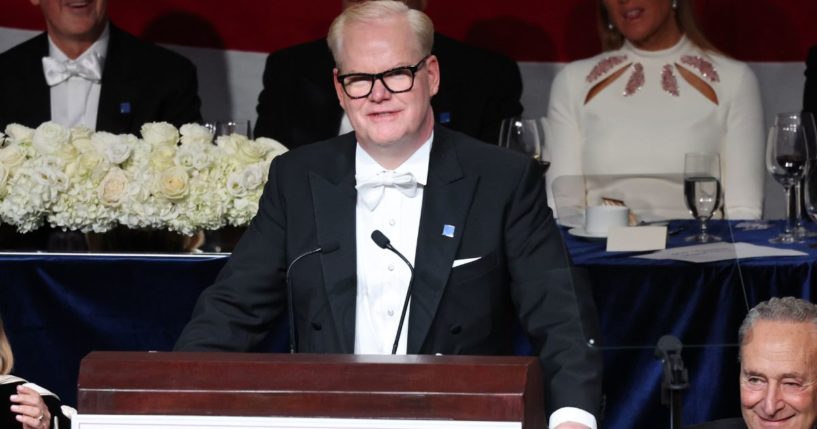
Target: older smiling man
[
  {"x": 471, "y": 217},
  {"x": 778, "y": 367}
]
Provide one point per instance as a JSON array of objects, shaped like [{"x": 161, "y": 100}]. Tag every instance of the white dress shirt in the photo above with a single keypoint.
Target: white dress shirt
[
  {"x": 75, "y": 101},
  {"x": 382, "y": 277}
]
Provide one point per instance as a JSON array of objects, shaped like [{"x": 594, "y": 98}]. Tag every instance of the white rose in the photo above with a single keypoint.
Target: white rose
[
  {"x": 194, "y": 156},
  {"x": 50, "y": 137},
  {"x": 116, "y": 149},
  {"x": 81, "y": 139},
  {"x": 252, "y": 177},
  {"x": 234, "y": 186},
  {"x": 173, "y": 183},
  {"x": 195, "y": 133},
  {"x": 12, "y": 156},
  {"x": 161, "y": 157},
  {"x": 17, "y": 133},
  {"x": 160, "y": 133},
  {"x": 228, "y": 145},
  {"x": 113, "y": 188},
  {"x": 253, "y": 151}
]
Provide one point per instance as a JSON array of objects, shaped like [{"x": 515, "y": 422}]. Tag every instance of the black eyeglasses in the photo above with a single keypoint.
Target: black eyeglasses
[{"x": 396, "y": 80}]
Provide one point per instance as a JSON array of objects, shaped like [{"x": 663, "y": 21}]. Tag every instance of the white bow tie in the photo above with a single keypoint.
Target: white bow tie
[
  {"x": 371, "y": 189},
  {"x": 56, "y": 71}
]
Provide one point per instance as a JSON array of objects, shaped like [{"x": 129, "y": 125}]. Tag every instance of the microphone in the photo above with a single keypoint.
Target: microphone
[
  {"x": 325, "y": 248},
  {"x": 384, "y": 243}
]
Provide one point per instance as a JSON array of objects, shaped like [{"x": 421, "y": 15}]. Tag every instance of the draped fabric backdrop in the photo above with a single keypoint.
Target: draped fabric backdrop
[{"x": 228, "y": 41}]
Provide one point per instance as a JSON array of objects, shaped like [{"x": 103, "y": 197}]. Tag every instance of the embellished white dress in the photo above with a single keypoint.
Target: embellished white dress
[{"x": 628, "y": 141}]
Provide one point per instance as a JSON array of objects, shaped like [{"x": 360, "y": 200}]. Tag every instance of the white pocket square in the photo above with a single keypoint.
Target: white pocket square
[{"x": 459, "y": 262}]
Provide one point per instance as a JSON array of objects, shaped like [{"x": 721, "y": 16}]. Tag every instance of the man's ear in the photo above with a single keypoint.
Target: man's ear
[
  {"x": 338, "y": 88},
  {"x": 433, "y": 67}
]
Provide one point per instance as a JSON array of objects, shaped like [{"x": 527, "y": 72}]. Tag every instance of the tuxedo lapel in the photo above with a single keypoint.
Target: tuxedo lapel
[
  {"x": 118, "y": 93},
  {"x": 31, "y": 93},
  {"x": 446, "y": 200},
  {"x": 334, "y": 200}
]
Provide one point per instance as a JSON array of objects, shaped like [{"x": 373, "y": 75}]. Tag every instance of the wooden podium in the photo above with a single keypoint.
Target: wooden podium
[{"x": 460, "y": 388}]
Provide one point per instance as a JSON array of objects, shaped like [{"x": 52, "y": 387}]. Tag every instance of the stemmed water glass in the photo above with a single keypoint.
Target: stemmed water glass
[
  {"x": 786, "y": 156},
  {"x": 702, "y": 190},
  {"x": 527, "y": 136},
  {"x": 809, "y": 123}
]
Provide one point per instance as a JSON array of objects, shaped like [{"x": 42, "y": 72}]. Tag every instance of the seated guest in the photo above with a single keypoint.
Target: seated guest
[
  {"x": 85, "y": 71},
  {"x": 658, "y": 91},
  {"x": 29, "y": 406},
  {"x": 472, "y": 217},
  {"x": 298, "y": 104},
  {"x": 778, "y": 367}
]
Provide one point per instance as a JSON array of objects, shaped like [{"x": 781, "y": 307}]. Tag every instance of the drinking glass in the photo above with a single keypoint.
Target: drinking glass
[
  {"x": 227, "y": 127},
  {"x": 527, "y": 136},
  {"x": 786, "y": 156},
  {"x": 702, "y": 190}
]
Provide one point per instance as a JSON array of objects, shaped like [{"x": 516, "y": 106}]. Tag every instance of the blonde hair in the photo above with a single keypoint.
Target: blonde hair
[
  {"x": 372, "y": 11},
  {"x": 612, "y": 39},
  {"x": 6, "y": 358}
]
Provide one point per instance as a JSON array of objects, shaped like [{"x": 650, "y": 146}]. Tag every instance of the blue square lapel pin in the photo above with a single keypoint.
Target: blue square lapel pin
[{"x": 448, "y": 230}]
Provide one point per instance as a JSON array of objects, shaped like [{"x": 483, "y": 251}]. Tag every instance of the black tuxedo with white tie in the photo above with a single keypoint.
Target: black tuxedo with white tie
[
  {"x": 141, "y": 82},
  {"x": 492, "y": 204}
]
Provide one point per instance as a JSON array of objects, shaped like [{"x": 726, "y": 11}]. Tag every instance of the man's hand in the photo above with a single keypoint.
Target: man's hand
[{"x": 571, "y": 425}]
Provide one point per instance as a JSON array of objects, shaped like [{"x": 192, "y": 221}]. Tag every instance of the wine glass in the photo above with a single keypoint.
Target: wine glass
[
  {"x": 527, "y": 136},
  {"x": 702, "y": 190},
  {"x": 228, "y": 127},
  {"x": 786, "y": 156}
]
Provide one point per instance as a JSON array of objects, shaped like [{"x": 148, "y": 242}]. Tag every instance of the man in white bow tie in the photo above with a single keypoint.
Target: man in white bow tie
[
  {"x": 84, "y": 71},
  {"x": 471, "y": 218}
]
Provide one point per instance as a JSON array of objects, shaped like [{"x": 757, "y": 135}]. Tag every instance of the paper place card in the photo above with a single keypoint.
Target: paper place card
[
  {"x": 712, "y": 252},
  {"x": 636, "y": 238}
]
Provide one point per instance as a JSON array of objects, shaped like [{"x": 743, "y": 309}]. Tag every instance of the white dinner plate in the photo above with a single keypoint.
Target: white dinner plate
[{"x": 580, "y": 232}]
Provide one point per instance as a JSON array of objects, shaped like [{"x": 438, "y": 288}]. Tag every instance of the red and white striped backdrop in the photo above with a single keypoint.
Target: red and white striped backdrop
[{"x": 228, "y": 40}]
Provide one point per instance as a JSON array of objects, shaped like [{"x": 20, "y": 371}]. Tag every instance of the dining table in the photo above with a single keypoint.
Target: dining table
[{"x": 58, "y": 307}]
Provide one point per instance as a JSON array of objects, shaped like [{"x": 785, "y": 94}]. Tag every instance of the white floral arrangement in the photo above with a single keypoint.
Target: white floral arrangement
[{"x": 170, "y": 179}]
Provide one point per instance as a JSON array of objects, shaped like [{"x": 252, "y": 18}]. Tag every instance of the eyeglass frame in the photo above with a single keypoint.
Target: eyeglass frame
[{"x": 379, "y": 76}]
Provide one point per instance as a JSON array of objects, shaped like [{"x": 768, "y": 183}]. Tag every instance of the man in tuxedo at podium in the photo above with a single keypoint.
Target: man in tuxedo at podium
[
  {"x": 84, "y": 71},
  {"x": 472, "y": 218},
  {"x": 778, "y": 367},
  {"x": 298, "y": 105}
]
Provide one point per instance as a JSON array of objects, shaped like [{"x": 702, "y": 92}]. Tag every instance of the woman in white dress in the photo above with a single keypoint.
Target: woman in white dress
[{"x": 621, "y": 122}]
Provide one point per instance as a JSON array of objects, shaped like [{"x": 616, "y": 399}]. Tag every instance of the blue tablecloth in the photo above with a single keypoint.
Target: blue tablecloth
[{"x": 57, "y": 308}]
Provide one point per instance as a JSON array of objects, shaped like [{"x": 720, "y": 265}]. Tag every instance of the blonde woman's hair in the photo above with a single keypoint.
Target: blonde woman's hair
[
  {"x": 6, "y": 358},
  {"x": 373, "y": 11},
  {"x": 612, "y": 39}
]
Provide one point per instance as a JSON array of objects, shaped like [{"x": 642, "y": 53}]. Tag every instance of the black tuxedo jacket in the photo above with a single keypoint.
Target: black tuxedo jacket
[
  {"x": 298, "y": 104},
  {"x": 141, "y": 82},
  {"x": 810, "y": 93},
  {"x": 494, "y": 198}
]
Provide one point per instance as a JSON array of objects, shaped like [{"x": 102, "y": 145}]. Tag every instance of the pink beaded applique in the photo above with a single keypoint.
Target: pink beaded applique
[
  {"x": 636, "y": 80},
  {"x": 604, "y": 66},
  {"x": 668, "y": 81},
  {"x": 704, "y": 67}
]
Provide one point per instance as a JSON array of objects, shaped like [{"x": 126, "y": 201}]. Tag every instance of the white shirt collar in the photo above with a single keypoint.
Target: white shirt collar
[
  {"x": 99, "y": 48},
  {"x": 417, "y": 164}
]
